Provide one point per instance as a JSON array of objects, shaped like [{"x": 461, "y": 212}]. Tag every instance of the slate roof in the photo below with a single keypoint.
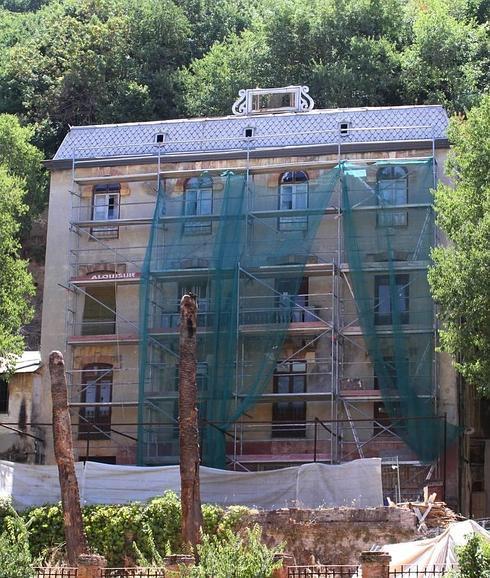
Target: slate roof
[{"x": 317, "y": 127}]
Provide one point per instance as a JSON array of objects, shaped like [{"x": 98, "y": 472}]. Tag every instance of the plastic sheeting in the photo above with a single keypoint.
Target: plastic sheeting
[
  {"x": 356, "y": 483},
  {"x": 438, "y": 551}
]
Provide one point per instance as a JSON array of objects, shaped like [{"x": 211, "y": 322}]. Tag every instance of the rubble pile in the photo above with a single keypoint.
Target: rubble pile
[{"x": 430, "y": 513}]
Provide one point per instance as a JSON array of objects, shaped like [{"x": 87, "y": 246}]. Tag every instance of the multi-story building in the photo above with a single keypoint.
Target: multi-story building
[{"x": 305, "y": 235}]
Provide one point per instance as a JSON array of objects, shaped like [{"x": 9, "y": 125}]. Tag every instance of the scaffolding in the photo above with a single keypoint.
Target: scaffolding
[{"x": 314, "y": 310}]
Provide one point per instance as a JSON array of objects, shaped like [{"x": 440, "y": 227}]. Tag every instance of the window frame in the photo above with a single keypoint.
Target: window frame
[
  {"x": 96, "y": 428},
  {"x": 293, "y": 308},
  {"x": 107, "y": 322},
  {"x": 391, "y": 196},
  {"x": 284, "y": 411},
  {"x": 198, "y": 227},
  {"x": 106, "y": 192},
  {"x": 402, "y": 282},
  {"x": 290, "y": 183}
]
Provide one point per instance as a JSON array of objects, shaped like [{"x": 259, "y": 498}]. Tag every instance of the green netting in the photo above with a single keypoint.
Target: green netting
[
  {"x": 241, "y": 246},
  {"x": 388, "y": 232},
  {"x": 245, "y": 260}
]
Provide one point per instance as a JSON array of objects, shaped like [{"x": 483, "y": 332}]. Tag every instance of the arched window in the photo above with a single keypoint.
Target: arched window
[
  {"x": 198, "y": 201},
  {"x": 95, "y": 420},
  {"x": 392, "y": 184},
  {"x": 293, "y": 196}
]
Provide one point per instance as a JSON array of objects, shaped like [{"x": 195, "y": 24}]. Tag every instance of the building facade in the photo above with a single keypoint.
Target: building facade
[{"x": 306, "y": 236}]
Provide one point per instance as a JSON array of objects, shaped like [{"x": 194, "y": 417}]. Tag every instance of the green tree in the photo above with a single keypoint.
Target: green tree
[
  {"x": 15, "y": 557},
  {"x": 460, "y": 275},
  {"x": 16, "y": 285},
  {"x": 21, "y": 158},
  {"x": 473, "y": 558},
  {"x": 446, "y": 61},
  {"x": 93, "y": 61},
  {"x": 346, "y": 50},
  {"x": 214, "y": 20}
]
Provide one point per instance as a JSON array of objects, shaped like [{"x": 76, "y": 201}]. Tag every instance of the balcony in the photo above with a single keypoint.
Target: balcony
[
  {"x": 256, "y": 314},
  {"x": 109, "y": 330}
]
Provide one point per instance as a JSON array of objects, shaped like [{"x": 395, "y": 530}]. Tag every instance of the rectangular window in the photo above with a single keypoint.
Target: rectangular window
[
  {"x": 4, "y": 395},
  {"x": 392, "y": 218},
  {"x": 391, "y": 193},
  {"x": 293, "y": 300},
  {"x": 105, "y": 207},
  {"x": 292, "y": 197},
  {"x": 289, "y": 417},
  {"x": 391, "y": 299},
  {"x": 95, "y": 421},
  {"x": 171, "y": 316},
  {"x": 99, "y": 317},
  {"x": 198, "y": 202}
]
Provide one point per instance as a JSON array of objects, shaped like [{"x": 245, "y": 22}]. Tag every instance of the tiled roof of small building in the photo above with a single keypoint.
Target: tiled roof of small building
[{"x": 317, "y": 127}]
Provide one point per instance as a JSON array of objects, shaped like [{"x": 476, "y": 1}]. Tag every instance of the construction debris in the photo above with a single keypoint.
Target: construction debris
[{"x": 430, "y": 513}]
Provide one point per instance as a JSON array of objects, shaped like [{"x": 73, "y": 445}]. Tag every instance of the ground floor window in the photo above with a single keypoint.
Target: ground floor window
[{"x": 95, "y": 420}]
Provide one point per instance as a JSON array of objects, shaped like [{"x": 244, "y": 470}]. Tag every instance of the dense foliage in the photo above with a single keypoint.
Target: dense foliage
[
  {"x": 473, "y": 559},
  {"x": 73, "y": 62},
  {"x": 96, "y": 61},
  {"x": 460, "y": 277},
  {"x": 15, "y": 557},
  {"x": 16, "y": 286},
  {"x": 112, "y": 531},
  {"x": 232, "y": 555}
]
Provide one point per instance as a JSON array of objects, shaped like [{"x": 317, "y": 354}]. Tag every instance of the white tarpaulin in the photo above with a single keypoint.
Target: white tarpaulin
[
  {"x": 438, "y": 551},
  {"x": 356, "y": 483}
]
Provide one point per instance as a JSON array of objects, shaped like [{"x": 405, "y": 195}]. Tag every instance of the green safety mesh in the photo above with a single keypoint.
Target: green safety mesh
[
  {"x": 245, "y": 262},
  {"x": 388, "y": 251},
  {"x": 242, "y": 249}
]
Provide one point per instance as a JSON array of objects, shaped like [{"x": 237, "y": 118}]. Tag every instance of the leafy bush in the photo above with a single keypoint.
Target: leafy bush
[
  {"x": 111, "y": 530},
  {"x": 15, "y": 556},
  {"x": 231, "y": 555},
  {"x": 473, "y": 558}
]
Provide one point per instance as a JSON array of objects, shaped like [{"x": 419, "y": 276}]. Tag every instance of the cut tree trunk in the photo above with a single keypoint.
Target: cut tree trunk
[
  {"x": 76, "y": 541},
  {"x": 188, "y": 424}
]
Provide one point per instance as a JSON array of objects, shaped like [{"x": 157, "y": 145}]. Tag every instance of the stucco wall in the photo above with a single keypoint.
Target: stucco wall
[{"x": 336, "y": 535}]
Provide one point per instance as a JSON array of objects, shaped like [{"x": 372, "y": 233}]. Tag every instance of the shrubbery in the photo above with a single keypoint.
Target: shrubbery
[
  {"x": 15, "y": 557},
  {"x": 112, "y": 530},
  {"x": 473, "y": 559},
  {"x": 232, "y": 555}
]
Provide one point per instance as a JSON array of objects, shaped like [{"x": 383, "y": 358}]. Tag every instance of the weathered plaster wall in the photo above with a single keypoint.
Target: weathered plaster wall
[{"x": 335, "y": 535}]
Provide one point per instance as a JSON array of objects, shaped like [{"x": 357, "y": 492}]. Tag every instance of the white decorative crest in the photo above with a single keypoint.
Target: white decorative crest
[
  {"x": 270, "y": 100},
  {"x": 307, "y": 103},
  {"x": 240, "y": 105}
]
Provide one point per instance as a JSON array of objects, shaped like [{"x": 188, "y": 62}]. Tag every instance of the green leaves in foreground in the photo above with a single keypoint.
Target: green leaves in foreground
[
  {"x": 233, "y": 555},
  {"x": 16, "y": 285},
  {"x": 460, "y": 276}
]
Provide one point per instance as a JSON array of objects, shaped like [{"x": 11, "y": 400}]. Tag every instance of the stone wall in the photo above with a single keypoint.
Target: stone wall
[{"x": 334, "y": 535}]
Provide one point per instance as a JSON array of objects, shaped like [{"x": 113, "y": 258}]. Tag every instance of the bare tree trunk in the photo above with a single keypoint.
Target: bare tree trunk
[
  {"x": 188, "y": 424},
  {"x": 76, "y": 542}
]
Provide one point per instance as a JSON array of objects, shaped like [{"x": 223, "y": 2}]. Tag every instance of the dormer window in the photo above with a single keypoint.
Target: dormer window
[
  {"x": 344, "y": 128},
  {"x": 160, "y": 137},
  {"x": 249, "y": 132}
]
